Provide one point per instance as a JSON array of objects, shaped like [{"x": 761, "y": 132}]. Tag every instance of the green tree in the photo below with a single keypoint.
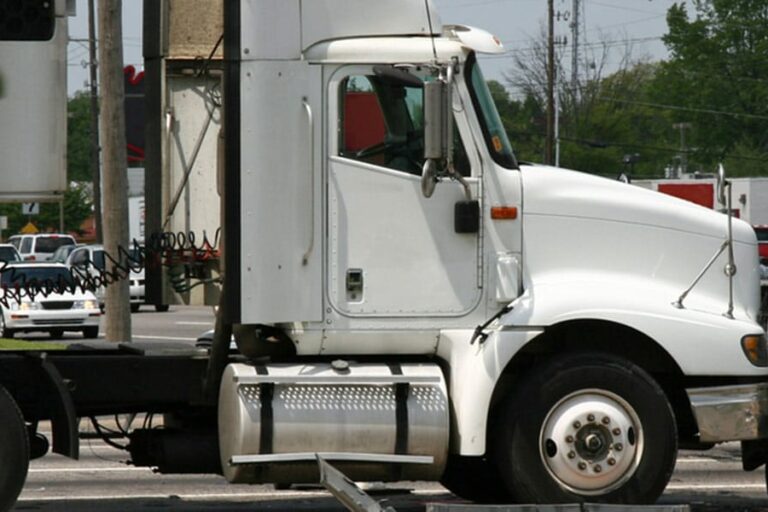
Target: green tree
[
  {"x": 717, "y": 79},
  {"x": 79, "y": 138},
  {"x": 602, "y": 116},
  {"x": 77, "y": 208}
]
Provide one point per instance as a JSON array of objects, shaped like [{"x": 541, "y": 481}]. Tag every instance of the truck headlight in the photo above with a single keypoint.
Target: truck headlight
[
  {"x": 755, "y": 347},
  {"x": 29, "y": 306}
]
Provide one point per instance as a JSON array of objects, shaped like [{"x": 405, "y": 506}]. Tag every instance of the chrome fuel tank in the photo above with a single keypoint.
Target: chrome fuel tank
[{"x": 379, "y": 422}]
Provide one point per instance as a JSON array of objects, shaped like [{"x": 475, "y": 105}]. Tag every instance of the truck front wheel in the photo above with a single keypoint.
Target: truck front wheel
[
  {"x": 14, "y": 451},
  {"x": 587, "y": 427}
]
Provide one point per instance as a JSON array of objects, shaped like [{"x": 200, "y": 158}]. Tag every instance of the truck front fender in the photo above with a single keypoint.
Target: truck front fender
[{"x": 699, "y": 343}]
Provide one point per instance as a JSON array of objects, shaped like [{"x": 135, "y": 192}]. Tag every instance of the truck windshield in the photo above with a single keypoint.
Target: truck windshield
[{"x": 493, "y": 129}]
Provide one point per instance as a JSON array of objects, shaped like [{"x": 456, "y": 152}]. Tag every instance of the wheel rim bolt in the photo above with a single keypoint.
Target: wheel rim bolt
[
  {"x": 616, "y": 431},
  {"x": 571, "y": 455},
  {"x": 598, "y": 468},
  {"x": 606, "y": 420},
  {"x": 582, "y": 466},
  {"x": 611, "y": 461},
  {"x": 576, "y": 424},
  {"x": 569, "y": 439},
  {"x": 591, "y": 417},
  {"x": 619, "y": 447}
]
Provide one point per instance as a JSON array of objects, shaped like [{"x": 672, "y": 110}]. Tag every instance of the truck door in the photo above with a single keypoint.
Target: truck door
[{"x": 391, "y": 251}]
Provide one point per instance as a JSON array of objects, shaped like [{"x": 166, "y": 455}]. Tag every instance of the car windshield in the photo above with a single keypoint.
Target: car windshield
[
  {"x": 762, "y": 234},
  {"x": 51, "y": 243},
  {"x": 62, "y": 252},
  {"x": 35, "y": 276},
  {"x": 8, "y": 254}
]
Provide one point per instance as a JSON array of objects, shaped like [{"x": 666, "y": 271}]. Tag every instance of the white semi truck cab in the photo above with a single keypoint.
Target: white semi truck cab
[
  {"x": 409, "y": 300},
  {"x": 429, "y": 306}
]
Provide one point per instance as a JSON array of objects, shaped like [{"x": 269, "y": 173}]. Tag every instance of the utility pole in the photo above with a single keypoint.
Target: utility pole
[
  {"x": 548, "y": 148},
  {"x": 575, "y": 43},
  {"x": 118, "y": 318},
  {"x": 95, "y": 167}
]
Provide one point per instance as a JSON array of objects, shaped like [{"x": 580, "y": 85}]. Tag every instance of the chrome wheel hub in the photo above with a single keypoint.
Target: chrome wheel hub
[{"x": 591, "y": 442}]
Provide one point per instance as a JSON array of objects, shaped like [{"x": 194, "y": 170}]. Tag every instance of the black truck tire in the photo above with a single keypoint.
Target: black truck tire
[
  {"x": 474, "y": 479},
  {"x": 586, "y": 427},
  {"x": 14, "y": 451}
]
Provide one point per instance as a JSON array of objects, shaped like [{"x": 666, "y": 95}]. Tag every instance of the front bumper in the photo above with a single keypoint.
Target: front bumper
[
  {"x": 137, "y": 291},
  {"x": 731, "y": 413},
  {"x": 46, "y": 320}
]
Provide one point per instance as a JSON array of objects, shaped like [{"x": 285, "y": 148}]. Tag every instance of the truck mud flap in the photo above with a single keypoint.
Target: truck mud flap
[{"x": 63, "y": 416}]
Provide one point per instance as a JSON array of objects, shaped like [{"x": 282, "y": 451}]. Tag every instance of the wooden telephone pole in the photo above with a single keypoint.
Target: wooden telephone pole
[
  {"x": 95, "y": 156},
  {"x": 115, "y": 176},
  {"x": 549, "y": 142}
]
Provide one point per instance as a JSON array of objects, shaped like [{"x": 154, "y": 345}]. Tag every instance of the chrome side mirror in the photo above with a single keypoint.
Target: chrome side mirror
[
  {"x": 433, "y": 120},
  {"x": 438, "y": 128}
]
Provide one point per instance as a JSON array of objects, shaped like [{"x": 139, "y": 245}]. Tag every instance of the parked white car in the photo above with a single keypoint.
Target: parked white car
[
  {"x": 8, "y": 253},
  {"x": 70, "y": 310},
  {"x": 40, "y": 247},
  {"x": 87, "y": 262},
  {"x": 91, "y": 260}
]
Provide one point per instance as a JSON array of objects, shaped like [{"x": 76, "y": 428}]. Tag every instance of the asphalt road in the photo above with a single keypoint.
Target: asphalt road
[
  {"x": 101, "y": 482},
  {"x": 181, "y": 324}
]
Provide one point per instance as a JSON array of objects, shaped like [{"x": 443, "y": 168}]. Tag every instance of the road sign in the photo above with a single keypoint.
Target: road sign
[
  {"x": 30, "y": 208},
  {"x": 29, "y": 229}
]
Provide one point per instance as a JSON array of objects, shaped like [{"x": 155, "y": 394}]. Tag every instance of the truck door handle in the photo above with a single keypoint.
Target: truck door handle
[
  {"x": 308, "y": 110},
  {"x": 354, "y": 284}
]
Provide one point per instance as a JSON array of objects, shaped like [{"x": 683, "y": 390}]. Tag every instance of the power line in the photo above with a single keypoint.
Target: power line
[
  {"x": 623, "y": 7},
  {"x": 602, "y": 44},
  {"x": 685, "y": 109},
  {"x": 663, "y": 149}
]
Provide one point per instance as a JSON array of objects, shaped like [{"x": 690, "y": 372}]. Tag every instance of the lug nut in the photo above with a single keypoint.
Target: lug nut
[
  {"x": 598, "y": 468},
  {"x": 616, "y": 431},
  {"x": 582, "y": 466},
  {"x": 568, "y": 439},
  {"x": 591, "y": 417},
  {"x": 576, "y": 424},
  {"x": 606, "y": 420},
  {"x": 611, "y": 461},
  {"x": 571, "y": 455},
  {"x": 618, "y": 447}
]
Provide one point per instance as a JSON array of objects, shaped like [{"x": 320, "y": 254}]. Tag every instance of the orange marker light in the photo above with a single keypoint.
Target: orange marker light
[{"x": 504, "y": 212}]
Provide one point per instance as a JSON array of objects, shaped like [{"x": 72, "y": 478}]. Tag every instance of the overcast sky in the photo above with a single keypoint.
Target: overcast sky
[{"x": 641, "y": 23}]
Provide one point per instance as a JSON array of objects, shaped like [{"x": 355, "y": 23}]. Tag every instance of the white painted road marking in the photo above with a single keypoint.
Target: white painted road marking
[{"x": 171, "y": 338}]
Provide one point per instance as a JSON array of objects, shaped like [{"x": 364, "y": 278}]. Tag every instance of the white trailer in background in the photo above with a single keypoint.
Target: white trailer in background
[
  {"x": 750, "y": 195},
  {"x": 136, "y": 219},
  {"x": 33, "y": 104}
]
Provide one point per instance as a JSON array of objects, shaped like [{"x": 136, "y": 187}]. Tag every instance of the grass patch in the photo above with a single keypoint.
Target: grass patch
[{"x": 8, "y": 344}]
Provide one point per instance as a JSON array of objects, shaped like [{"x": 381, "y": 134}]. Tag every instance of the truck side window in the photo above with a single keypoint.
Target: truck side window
[
  {"x": 26, "y": 245},
  {"x": 382, "y": 123}
]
